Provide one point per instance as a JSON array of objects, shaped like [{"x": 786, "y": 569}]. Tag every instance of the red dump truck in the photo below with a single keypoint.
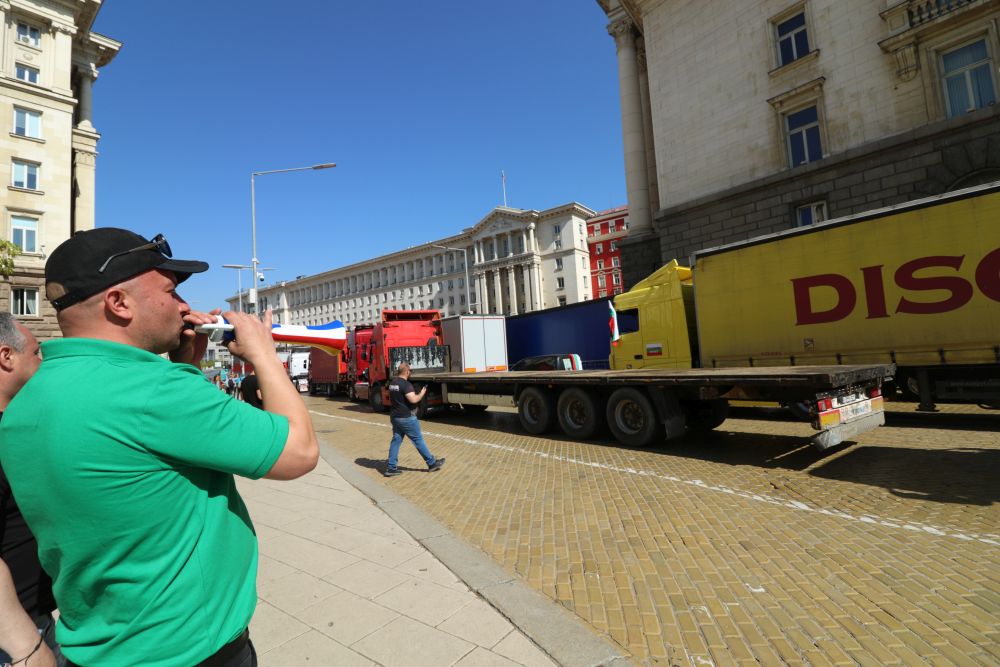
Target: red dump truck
[
  {"x": 356, "y": 354},
  {"x": 413, "y": 336},
  {"x": 327, "y": 373}
]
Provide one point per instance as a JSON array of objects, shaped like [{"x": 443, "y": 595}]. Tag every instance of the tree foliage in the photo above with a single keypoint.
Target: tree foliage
[{"x": 8, "y": 251}]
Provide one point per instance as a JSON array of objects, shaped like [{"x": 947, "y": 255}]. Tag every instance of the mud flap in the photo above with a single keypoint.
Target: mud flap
[
  {"x": 669, "y": 410},
  {"x": 841, "y": 432}
]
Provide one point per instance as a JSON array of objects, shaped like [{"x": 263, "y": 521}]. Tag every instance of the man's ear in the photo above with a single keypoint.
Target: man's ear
[
  {"x": 118, "y": 302},
  {"x": 6, "y": 358}
]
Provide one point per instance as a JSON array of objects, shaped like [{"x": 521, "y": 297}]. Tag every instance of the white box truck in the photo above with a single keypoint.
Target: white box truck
[{"x": 478, "y": 342}]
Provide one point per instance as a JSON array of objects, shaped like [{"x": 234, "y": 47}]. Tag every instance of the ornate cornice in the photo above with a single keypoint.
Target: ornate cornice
[{"x": 55, "y": 27}]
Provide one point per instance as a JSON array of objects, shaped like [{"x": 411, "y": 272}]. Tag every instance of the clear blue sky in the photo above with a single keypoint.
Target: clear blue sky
[{"x": 419, "y": 104}]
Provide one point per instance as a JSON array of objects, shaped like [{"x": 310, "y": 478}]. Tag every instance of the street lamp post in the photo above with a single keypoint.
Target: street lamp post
[
  {"x": 239, "y": 279},
  {"x": 253, "y": 218},
  {"x": 468, "y": 300}
]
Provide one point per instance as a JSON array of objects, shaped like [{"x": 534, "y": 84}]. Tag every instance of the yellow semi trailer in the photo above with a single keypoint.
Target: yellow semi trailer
[{"x": 915, "y": 285}]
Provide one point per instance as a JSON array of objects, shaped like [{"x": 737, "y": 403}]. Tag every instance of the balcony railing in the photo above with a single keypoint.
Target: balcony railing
[{"x": 922, "y": 11}]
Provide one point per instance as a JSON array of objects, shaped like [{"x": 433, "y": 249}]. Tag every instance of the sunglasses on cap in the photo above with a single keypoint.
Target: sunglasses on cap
[{"x": 158, "y": 243}]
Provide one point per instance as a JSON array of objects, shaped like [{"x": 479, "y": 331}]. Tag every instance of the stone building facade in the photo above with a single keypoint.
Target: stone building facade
[
  {"x": 519, "y": 261},
  {"x": 741, "y": 119},
  {"x": 49, "y": 59},
  {"x": 605, "y": 232}
]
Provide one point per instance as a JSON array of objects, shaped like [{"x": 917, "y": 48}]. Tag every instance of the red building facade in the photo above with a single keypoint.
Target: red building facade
[{"x": 604, "y": 232}]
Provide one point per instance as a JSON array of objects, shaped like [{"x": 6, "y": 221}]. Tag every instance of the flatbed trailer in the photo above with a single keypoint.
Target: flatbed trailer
[{"x": 642, "y": 405}]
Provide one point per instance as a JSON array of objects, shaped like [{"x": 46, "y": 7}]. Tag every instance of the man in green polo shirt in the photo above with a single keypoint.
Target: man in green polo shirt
[{"x": 122, "y": 461}]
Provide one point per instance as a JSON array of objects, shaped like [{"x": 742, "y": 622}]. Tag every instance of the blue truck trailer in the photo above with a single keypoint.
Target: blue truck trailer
[{"x": 579, "y": 328}]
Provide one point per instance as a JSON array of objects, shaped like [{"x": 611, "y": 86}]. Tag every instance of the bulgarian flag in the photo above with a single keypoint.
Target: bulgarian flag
[{"x": 613, "y": 324}]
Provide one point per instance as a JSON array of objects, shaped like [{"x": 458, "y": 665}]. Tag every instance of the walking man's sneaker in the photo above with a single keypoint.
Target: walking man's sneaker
[
  {"x": 392, "y": 472},
  {"x": 437, "y": 465}
]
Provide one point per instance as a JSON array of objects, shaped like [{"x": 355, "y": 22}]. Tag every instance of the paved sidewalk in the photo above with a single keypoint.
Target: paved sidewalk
[{"x": 340, "y": 583}]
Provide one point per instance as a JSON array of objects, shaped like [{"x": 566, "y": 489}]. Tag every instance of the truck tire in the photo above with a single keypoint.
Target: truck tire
[
  {"x": 536, "y": 409},
  {"x": 632, "y": 419},
  {"x": 375, "y": 398},
  {"x": 580, "y": 413},
  {"x": 701, "y": 416}
]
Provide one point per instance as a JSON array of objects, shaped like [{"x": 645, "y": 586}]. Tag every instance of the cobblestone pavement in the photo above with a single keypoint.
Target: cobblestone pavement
[{"x": 744, "y": 546}]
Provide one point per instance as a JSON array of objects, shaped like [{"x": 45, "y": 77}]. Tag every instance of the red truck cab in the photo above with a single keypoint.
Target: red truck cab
[{"x": 398, "y": 329}]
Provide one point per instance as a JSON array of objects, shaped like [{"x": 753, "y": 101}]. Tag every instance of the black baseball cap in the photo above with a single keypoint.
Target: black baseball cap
[{"x": 91, "y": 261}]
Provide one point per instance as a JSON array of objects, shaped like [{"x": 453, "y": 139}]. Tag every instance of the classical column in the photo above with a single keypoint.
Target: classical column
[
  {"x": 87, "y": 76},
  {"x": 512, "y": 286},
  {"x": 633, "y": 136},
  {"x": 497, "y": 295},
  {"x": 510, "y": 243},
  {"x": 647, "y": 127},
  {"x": 536, "y": 285},
  {"x": 524, "y": 241},
  {"x": 531, "y": 239}
]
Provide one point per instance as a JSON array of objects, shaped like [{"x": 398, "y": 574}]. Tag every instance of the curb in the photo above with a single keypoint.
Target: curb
[{"x": 555, "y": 630}]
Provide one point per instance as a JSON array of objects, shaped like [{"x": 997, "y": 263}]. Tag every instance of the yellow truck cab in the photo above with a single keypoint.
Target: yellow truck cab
[{"x": 656, "y": 321}]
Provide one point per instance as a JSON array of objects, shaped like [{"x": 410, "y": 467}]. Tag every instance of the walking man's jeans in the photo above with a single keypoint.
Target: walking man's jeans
[{"x": 410, "y": 427}]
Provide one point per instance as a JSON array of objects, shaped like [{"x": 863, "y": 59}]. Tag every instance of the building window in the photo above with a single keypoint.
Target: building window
[
  {"x": 810, "y": 213},
  {"x": 598, "y": 248},
  {"x": 616, "y": 279},
  {"x": 24, "y": 175},
  {"x": 560, "y": 283},
  {"x": 24, "y": 301},
  {"x": 556, "y": 231},
  {"x": 27, "y": 123},
  {"x": 793, "y": 41},
  {"x": 802, "y": 130},
  {"x": 968, "y": 78},
  {"x": 616, "y": 262},
  {"x": 30, "y": 35},
  {"x": 613, "y": 246},
  {"x": 562, "y": 301},
  {"x": 24, "y": 233},
  {"x": 451, "y": 301},
  {"x": 25, "y": 73},
  {"x": 600, "y": 264},
  {"x": 603, "y": 293},
  {"x": 601, "y": 281},
  {"x": 559, "y": 264}
]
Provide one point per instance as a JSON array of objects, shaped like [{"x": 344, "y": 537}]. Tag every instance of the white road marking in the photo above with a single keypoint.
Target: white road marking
[{"x": 990, "y": 539}]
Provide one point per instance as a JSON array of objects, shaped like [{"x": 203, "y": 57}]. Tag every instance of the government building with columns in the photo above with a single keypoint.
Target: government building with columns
[
  {"x": 519, "y": 261},
  {"x": 741, "y": 119},
  {"x": 49, "y": 59}
]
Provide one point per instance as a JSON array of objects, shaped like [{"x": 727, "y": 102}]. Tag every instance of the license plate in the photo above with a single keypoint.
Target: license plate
[{"x": 849, "y": 412}]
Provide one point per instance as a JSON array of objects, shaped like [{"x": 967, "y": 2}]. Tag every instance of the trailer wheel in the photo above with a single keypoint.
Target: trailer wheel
[
  {"x": 375, "y": 398},
  {"x": 632, "y": 418},
  {"x": 580, "y": 412},
  {"x": 705, "y": 415},
  {"x": 537, "y": 410}
]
